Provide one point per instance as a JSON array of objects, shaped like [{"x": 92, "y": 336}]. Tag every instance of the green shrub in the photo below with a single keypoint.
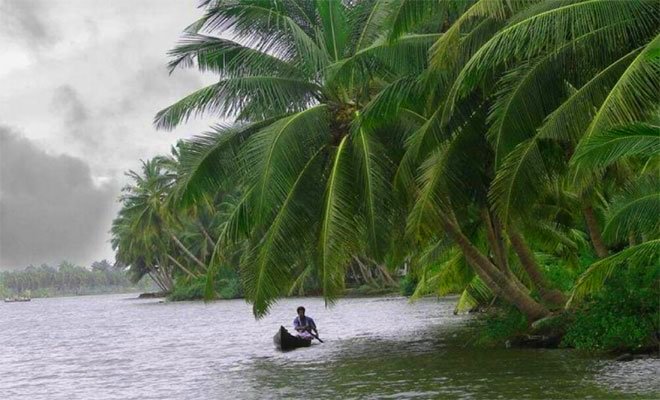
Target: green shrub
[
  {"x": 505, "y": 323},
  {"x": 227, "y": 286},
  {"x": 407, "y": 285},
  {"x": 622, "y": 316}
]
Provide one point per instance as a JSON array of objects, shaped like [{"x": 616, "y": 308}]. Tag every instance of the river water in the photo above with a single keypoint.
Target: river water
[{"x": 117, "y": 347}]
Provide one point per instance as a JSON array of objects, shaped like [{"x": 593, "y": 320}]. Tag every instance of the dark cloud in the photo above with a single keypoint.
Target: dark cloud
[
  {"x": 151, "y": 88},
  {"x": 66, "y": 99},
  {"x": 23, "y": 20},
  {"x": 78, "y": 124},
  {"x": 50, "y": 208}
]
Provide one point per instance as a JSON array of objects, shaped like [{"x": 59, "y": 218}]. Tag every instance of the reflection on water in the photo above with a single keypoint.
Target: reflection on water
[{"x": 113, "y": 347}]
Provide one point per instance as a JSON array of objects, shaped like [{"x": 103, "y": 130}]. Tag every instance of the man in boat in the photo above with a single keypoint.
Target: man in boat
[{"x": 304, "y": 325}]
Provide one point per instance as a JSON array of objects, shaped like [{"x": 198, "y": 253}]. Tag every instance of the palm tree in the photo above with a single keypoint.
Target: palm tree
[
  {"x": 562, "y": 71},
  {"x": 145, "y": 233},
  {"x": 630, "y": 221},
  {"x": 314, "y": 175},
  {"x": 335, "y": 111}
]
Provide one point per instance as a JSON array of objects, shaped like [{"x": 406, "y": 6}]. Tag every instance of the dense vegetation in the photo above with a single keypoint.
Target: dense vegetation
[
  {"x": 504, "y": 150},
  {"x": 68, "y": 279}
]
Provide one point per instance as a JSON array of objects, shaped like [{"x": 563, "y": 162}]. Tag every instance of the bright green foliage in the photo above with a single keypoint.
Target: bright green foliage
[
  {"x": 407, "y": 285},
  {"x": 623, "y": 317},
  {"x": 427, "y": 131},
  {"x": 316, "y": 184},
  {"x": 502, "y": 325},
  {"x": 226, "y": 286}
]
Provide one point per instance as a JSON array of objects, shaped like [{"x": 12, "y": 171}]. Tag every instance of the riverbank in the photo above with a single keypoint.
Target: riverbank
[
  {"x": 505, "y": 327},
  {"x": 44, "y": 294}
]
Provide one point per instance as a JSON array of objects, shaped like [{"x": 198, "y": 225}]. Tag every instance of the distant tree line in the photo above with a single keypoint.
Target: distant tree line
[{"x": 67, "y": 278}]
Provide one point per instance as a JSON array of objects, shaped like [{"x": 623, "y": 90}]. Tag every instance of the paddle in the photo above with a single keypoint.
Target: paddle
[
  {"x": 308, "y": 330},
  {"x": 316, "y": 337}
]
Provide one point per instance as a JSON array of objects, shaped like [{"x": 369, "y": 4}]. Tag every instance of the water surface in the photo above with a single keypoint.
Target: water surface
[{"x": 116, "y": 347}]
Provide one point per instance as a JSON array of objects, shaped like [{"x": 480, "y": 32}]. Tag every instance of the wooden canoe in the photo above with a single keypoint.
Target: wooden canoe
[{"x": 285, "y": 341}]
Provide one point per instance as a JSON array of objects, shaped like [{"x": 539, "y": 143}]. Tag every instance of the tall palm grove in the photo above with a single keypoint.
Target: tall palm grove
[{"x": 502, "y": 150}]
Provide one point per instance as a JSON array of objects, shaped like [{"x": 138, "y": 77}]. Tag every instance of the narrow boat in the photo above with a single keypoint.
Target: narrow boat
[
  {"x": 285, "y": 341},
  {"x": 16, "y": 299}
]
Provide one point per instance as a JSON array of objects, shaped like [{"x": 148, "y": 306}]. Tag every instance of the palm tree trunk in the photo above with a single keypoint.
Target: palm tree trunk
[
  {"x": 386, "y": 274},
  {"x": 528, "y": 261},
  {"x": 495, "y": 241},
  {"x": 188, "y": 252},
  {"x": 500, "y": 284},
  {"x": 178, "y": 264},
  {"x": 154, "y": 277},
  {"x": 366, "y": 274},
  {"x": 594, "y": 232},
  {"x": 208, "y": 237},
  {"x": 496, "y": 244}
]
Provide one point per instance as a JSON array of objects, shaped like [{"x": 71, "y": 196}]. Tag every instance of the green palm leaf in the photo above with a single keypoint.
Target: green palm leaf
[
  {"x": 267, "y": 272},
  {"x": 274, "y": 95},
  {"x": 405, "y": 56},
  {"x": 333, "y": 27},
  {"x": 338, "y": 229},
  {"x": 593, "y": 279},
  {"x": 601, "y": 150},
  {"x": 369, "y": 19},
  {"x": 635, "y": 210},
  {"x": 476, "y": 293},
  {"x": 266, "y": 26},
  {"x": 635, "y": 95},
  {"x": 209, "y": 160},
  {"x": 227, "y": 58},
  {"x": 528, "y": 93},
  {"x": 552, "y": 29},
  {"x": 275, "y": 155},
  {"x": 570, "y": 120},
  {"x": 523, "y": 176},
  {"x": 373, "y": 178}
]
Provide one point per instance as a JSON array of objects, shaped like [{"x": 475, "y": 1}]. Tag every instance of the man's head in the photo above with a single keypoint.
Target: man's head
[{"x": 301, "y": 311}]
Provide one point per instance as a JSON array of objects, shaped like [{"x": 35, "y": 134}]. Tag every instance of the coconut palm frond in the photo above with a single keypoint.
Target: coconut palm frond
[
  {"x": 373, "y": 172},
  {"x": 634, "y": 210},
  {"x": 475, "y": 294},
  {"x": 275, "y": 95},
  {"x": 267, "y": 270},
  {"x": 593, "y": 279},
  {"x": 274, "y": 156},
  {"x": 601, "y": 150},
  {"x": 227, "y": 58},
  {"x": 209, "y": 160},
  {"x": 337, "y": 240}
]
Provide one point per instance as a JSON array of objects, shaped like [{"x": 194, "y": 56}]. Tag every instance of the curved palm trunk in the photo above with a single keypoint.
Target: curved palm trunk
[
  {"x": 500, "y": 283},
  {"x": 550, "y": 296},
  {"x": 184, "y": 269},
  {"x": 495, "y": 240},
  {"x": 386, "y": 274},
  {"x": 188, "y": 252},
  {"x": 154, "y": 277},
  {"x": 206, "y": 234},
  {"x": 497, "y": 246},
  {"x": 594, "y": 232}
]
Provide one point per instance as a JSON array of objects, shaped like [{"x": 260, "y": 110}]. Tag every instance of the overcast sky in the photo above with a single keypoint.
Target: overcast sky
[{"x": 80, "y": 82}]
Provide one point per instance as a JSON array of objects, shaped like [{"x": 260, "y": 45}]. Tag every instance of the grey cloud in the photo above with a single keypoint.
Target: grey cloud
[
  {"x": 22, "y": 20},
  {"x": 78, "y": 124},
  {"x": 152, "y": 88},
  {"x": 50, "y": 209},
  {"x": 66, "y": 99}
]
